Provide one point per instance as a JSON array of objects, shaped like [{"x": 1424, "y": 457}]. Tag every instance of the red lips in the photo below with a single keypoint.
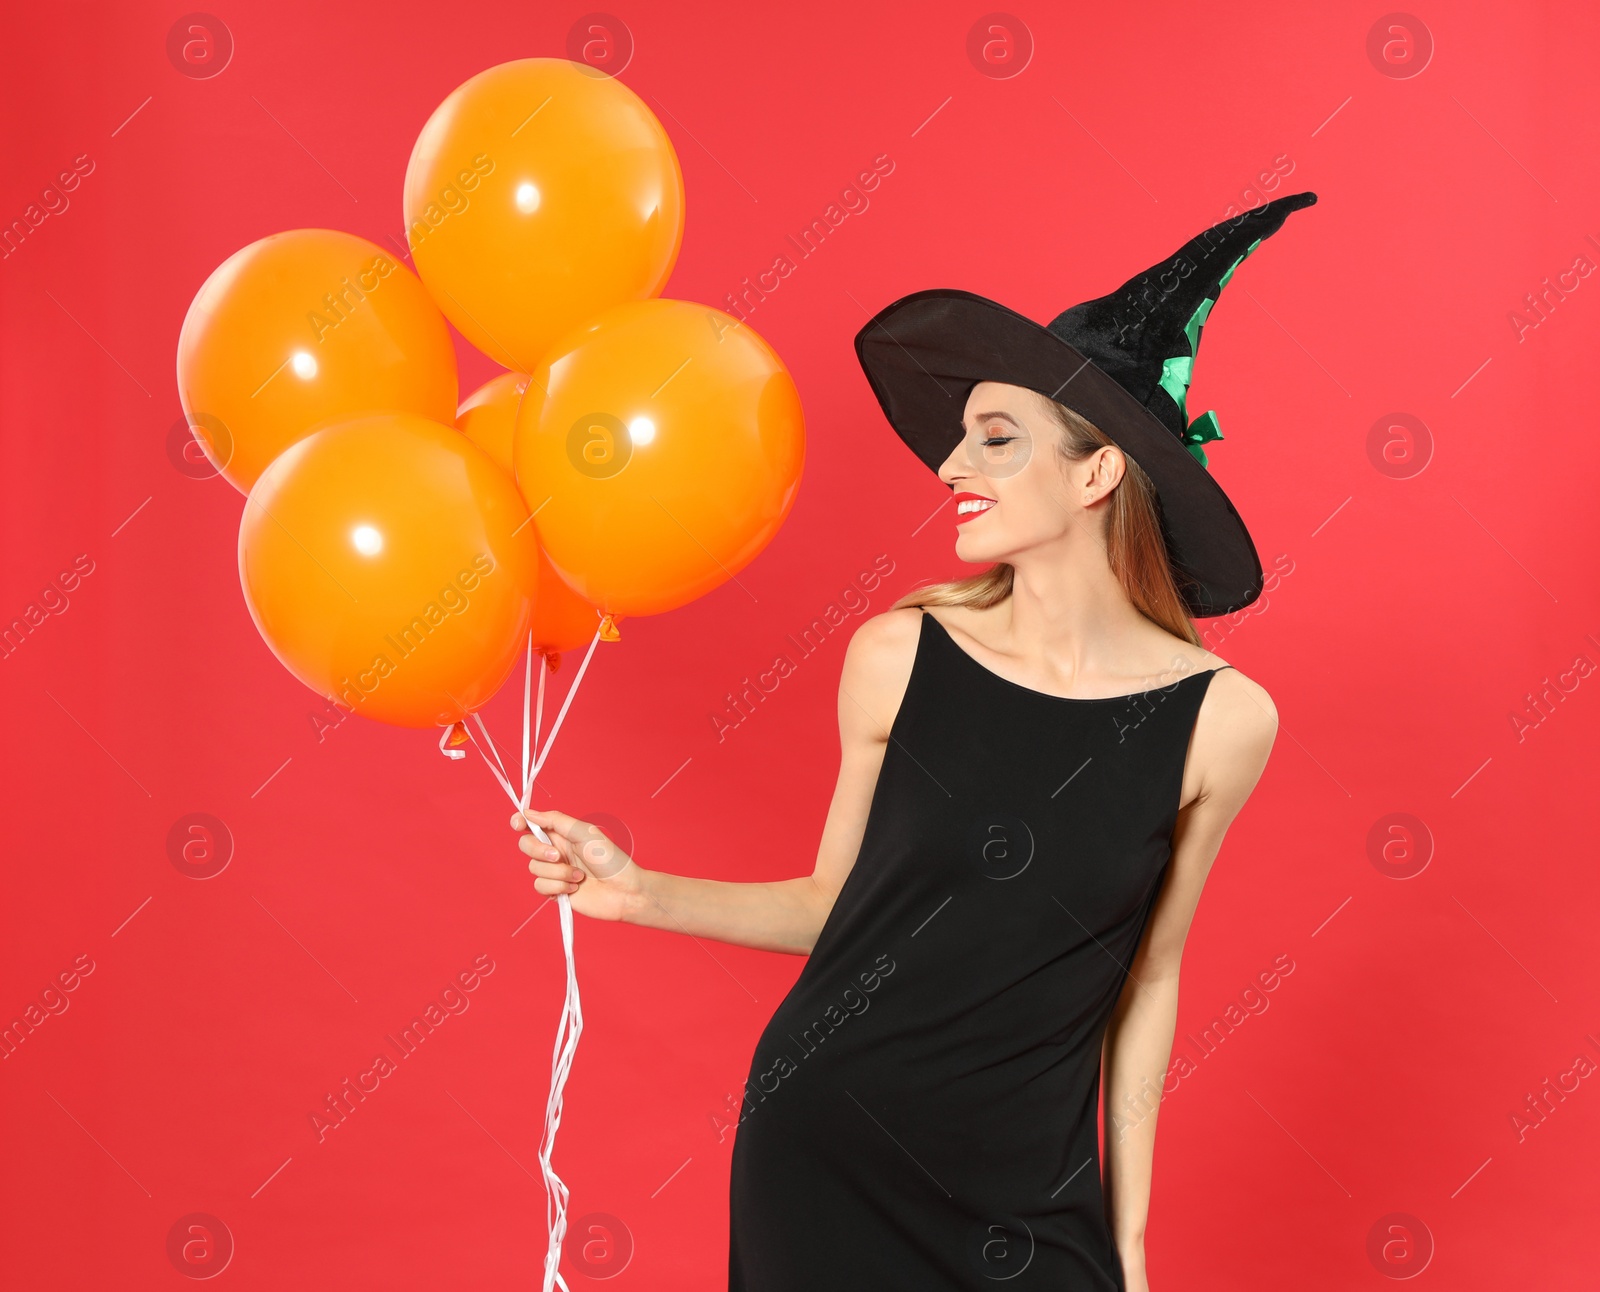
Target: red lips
[{"x": 962, "y": 517}]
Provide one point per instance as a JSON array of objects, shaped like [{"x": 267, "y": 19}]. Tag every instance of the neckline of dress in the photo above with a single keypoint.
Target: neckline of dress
[{"x": 1046, "y": 695}]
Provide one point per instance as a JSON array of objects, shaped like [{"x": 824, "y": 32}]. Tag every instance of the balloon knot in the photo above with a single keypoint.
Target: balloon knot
[
  {"x": 608, "y": 628},
  {"x": 454, "y": 734}
]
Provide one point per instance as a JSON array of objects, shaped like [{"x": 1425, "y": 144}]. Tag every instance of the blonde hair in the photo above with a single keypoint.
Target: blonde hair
[{"x": 1134, "y": 546}]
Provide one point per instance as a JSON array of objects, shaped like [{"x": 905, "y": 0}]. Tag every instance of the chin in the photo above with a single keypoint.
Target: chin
[{"x": 974, "y": 551}]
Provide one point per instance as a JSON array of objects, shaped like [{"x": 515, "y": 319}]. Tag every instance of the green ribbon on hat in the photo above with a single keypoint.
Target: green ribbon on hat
[
  {"x": 1178, "y": 372},
  {"x": 1203, "y": 429}
]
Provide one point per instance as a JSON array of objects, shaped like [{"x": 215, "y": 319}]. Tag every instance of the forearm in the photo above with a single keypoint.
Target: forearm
[
  {"x": 784, "y": 915},
  {"x": 1138, "y": 1048}
]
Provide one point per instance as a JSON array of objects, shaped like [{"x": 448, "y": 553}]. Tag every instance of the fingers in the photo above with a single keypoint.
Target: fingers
[
  {"x": 574, "y": 849},
  {"x": 551, "y": 878},
  {"x": 562, "y": 870},
  {"x": 557, "y": 850},
  {"x": 553, "y": 822},
  {"x": 523, "y": 823}
]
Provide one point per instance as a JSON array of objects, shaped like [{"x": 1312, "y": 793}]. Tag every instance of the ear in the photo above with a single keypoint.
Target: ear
[{"x": 1106, "y": 468}]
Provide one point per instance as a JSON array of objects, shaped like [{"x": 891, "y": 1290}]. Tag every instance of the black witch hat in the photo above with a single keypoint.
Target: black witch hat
[{"x": 1124, "y": 361}]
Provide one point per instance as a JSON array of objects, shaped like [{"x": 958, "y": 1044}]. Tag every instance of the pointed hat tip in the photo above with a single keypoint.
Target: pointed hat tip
[
  {"x": 1275, "y": 211},
  {"x": 1224, "y": 240}
]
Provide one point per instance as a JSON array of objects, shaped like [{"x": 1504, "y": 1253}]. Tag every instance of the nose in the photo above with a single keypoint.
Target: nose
[{"x": 956, "y": 468}]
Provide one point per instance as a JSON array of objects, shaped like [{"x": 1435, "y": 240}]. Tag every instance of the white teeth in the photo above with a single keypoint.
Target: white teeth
[{"x": 973, "y": 504}]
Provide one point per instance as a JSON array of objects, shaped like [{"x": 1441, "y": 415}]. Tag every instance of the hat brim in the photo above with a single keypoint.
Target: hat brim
[{"x": 924, "y": 353}]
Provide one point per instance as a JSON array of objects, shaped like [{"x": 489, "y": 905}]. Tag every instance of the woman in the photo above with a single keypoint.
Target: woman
[{"x": 1038, "y": 767}]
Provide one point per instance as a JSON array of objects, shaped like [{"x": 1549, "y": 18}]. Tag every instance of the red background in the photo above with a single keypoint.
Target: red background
[{"x": 367, "y": 871}]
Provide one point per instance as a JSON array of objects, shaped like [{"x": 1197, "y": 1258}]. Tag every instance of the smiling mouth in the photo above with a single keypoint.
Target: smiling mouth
[{"x": 969, "y": 505}]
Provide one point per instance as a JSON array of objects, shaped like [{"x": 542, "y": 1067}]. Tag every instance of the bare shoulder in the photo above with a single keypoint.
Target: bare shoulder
[
  {"x": 1243, "y": 700},
  {"x": 885, "y": 645},
  {"x": 1233, "y": 736},
  {"x": 877, "y": 669}
]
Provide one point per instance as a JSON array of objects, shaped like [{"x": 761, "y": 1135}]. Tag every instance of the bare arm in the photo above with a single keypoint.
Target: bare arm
[
  {"x": 781, "y": 915},
  {"x": 1232, "y": 739}
]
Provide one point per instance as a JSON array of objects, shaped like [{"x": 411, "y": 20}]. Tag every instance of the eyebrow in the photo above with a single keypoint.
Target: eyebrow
[{"x": 1004, "y": 417}]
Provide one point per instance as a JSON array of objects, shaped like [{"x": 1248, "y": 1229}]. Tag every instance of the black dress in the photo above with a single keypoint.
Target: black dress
[{"x": 921, "y": 1112}]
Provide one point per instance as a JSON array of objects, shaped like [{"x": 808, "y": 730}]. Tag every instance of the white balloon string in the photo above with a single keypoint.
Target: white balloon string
[
  {"x": 566, "y": 1047},
  {"x": 488, "y": 742},
  {"x": 484, "y": 747},
  {"x": 538, "y": 710},
  {"x": 527, "y": 684},
  {"x": 566, "y": 703},
  {"x": 567, "y": 1029},
  {"x": 570, "y": 1025}
]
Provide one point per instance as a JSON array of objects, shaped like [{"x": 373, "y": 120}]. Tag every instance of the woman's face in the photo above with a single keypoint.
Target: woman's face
[{"x": 1013, "y": 491}]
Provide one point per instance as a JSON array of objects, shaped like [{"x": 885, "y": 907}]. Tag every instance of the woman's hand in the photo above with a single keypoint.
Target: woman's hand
[{"x": 603, "y": 882}]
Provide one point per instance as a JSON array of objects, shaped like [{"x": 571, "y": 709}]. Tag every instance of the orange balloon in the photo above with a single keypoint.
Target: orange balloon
[
  {"x": 562, "y": 620},
  {"x": 538, "y": 194},
  {"x": 488, "y": 416},
  {"x": 664, "y": 456},
  {"x": 390, "y": 565},
  {"x": 302, "y": 328}
]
